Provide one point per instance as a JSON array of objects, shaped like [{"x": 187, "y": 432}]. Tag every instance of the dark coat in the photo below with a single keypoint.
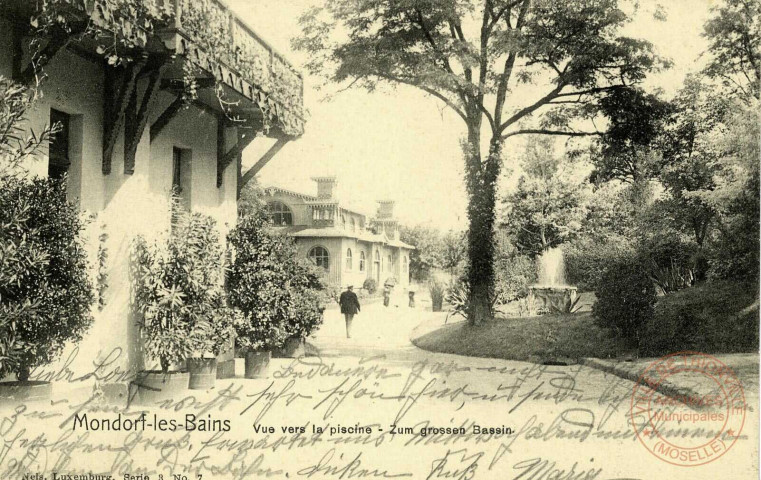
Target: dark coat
[{"x": 349, "y": 302}]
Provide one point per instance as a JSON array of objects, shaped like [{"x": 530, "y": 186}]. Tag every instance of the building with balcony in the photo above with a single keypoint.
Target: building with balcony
[
  {"x": 348, "y": 245},
  {"x": 152, "y": 97}
]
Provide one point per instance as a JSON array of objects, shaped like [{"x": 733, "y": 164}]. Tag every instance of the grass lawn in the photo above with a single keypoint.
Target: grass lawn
[
  {"x": 538, "y": 339},
  {"x": 714, "y": 318}
]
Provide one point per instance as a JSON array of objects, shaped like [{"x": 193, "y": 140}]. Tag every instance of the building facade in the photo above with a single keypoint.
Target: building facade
[
  {"x": 348, "y": 245},
  {"x": 130, "y": 137}
]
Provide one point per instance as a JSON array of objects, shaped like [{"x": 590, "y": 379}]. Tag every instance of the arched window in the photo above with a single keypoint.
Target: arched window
[
  {"x": 361, "y": 261},
  {"x": 343, "y": 222},
  {"x": 348, "y": 259},
  {"x": 279, "y": 213},
  {"x": 353, "y": 225},
  {"x": 390, "y": 263},
  {"x": 320, "y": 257}
]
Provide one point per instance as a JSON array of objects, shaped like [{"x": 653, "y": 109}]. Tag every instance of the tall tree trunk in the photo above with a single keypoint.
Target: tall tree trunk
[{"x": 481, "y": 180}]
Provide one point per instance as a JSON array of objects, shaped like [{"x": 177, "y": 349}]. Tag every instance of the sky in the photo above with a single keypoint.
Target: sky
[{"x": 398, "y": 144}]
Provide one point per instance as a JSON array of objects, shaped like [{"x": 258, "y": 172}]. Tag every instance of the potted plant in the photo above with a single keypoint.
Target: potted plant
[
  {"x": 304, "y": 318},
  {"x": 273, "y": 291},
  {"x": 309, "y": 294},
  {"x": 179, "y": 297},
  {"x": 45, "y": 291},
  {"x": 210, "y": 338}
]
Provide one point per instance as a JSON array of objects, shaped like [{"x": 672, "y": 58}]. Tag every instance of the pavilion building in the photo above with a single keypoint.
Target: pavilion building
[{"x": 343, "y": 241}]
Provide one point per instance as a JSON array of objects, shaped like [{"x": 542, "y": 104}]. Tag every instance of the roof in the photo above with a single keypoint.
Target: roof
[
  {"x": 304, "y": 231},
  {"x": 270, "y": 189},
  {"x": 310, "y": 199},
  {"x": 400, "y": 244}
]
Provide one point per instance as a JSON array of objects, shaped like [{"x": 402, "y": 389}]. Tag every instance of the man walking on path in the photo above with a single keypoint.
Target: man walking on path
[{"x": 349, "y": 307}]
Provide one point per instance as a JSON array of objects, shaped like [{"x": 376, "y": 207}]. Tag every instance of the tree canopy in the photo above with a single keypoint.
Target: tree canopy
[{"x": 525, "y": 66}]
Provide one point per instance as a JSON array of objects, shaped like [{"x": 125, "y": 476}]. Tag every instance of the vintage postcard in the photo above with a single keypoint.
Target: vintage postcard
[{"x": 349, "y": 239}]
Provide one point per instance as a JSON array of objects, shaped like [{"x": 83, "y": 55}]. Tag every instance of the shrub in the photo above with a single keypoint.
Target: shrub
[
  {"x": 437, "y": 289},
  {"x": 276, "y": 293},
  {"x": 715, "y": 317},
  {"x": 179, "y": 293},
  {"x": 306, "y": 314},
  {"x": 514, "y": 272},
  {"x": 625, "y": 299},
  {"x": 586, "y": 260},
  {"x": 669, "y": 260},
  {"x": 457, "y": 298},
  {"x": 45, "y": 291},
  {"x": 370, "y": 285}
]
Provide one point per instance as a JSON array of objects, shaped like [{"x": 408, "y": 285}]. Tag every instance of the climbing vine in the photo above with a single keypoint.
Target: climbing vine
[
  {"x": 123, "y": 29},
  {"x": 101, "y": 279}
]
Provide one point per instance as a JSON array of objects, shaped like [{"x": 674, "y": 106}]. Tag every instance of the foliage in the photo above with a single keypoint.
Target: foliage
[
  {"x": 610, "y": 213},
  {"x": 628, "y": 148},
  {"x": 125, "y": 25},
  {"x": 670, "y": 262},
  {"x": 17, "y": 143},
  {"x": 452, "y": 250},
  {"x": 625, "y": 299},
  {"x": 208, "y": 24},
  {"x": 434, "y": 249},
  {"x": 306, "y": 316},
  {"x": 514, "y": 272},
  {"x": 178, "y": 291},
  {"x": 370, "y": 285},
  {"x": 437, "y": 289},
  {"x": 425, "y": 257},
  {"x": 546, "y": 208},
  {"x": 45, "y": 291},
  {"x": 276, "y": 293},
  {"x": 459, "y": 299},
  {"x": 251, "y": 201},
  {"x": 735, "y": 197},
  {"x": 735, "y": 57},
  {"x": 483, "y": 60},
  {"x": 102, "y": 273},
  {"x": 122, "y": 31},
  {"x": 714, "y": 317},
  {"x": 569, "y": 306}
]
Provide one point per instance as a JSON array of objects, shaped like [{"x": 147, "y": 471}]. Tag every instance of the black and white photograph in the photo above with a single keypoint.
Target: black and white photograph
[{"x": 379, "y": 239}]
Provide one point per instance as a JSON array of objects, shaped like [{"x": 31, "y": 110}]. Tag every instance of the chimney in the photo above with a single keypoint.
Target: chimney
[
  {"x": 385, "y": 209},
  {"x": 325, "y": 187}
]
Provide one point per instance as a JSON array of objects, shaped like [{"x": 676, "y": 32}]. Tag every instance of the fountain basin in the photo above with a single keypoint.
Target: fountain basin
[{"x": 547, "y": 298}]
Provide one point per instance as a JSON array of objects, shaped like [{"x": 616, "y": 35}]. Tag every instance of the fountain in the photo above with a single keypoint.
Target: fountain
[{"x": 551, "y": 292}]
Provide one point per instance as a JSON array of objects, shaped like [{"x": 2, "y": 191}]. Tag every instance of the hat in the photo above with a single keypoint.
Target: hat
[{"x": 349, "y": 286}]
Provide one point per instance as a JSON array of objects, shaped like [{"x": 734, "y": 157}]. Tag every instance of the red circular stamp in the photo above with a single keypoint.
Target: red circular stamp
[{"x": 688, "y": 408}]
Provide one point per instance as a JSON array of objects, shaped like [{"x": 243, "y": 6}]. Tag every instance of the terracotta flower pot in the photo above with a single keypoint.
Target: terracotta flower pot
[
  {"x": 203, "y": 373},
  {"x": 154, "y": 385},
  {"x": 25, "y": 391},
  {"x": 257, "y": 364}
]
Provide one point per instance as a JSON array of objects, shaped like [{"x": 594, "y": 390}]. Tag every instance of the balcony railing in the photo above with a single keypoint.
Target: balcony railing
[
  {"x": 210, "y": 35},
  {"x": 244, "y": 61}
]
